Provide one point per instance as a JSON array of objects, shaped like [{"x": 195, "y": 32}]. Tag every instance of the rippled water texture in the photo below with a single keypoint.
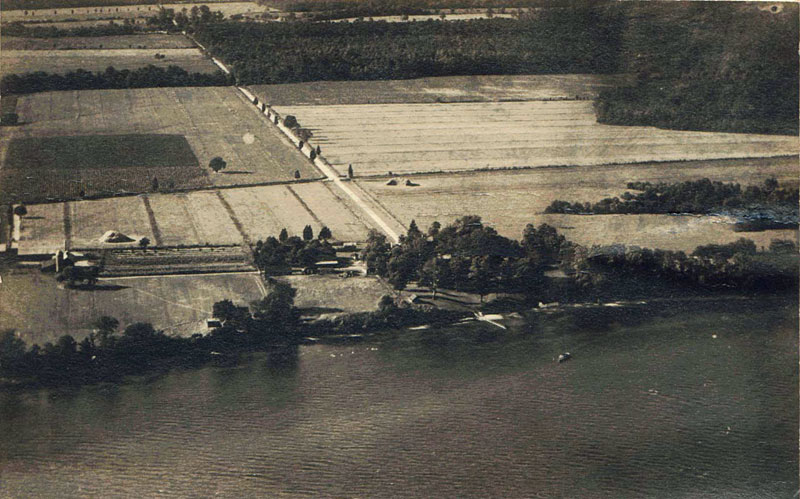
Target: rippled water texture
[{"x": 651, "y": 405}]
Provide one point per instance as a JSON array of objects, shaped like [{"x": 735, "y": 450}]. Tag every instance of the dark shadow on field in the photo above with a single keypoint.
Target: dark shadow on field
[
  {"x": 99, "y": 287},
  {"x": 33, "y": 218},
  {"x": 319, "y": 310},
  {"x": 237, "y": 172}
]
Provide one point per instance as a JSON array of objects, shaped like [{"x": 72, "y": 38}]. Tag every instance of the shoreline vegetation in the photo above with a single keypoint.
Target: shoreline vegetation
[
  {"x": 764, "y": 207},
  {"x": 465, "y": 256}
]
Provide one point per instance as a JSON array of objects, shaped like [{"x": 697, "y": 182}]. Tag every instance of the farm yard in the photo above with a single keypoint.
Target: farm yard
[
  {"x": 479, "y": 88},
  {"x": 331, "y": 295},
  {"x": 41, "y": 311},
  {"x": 199, "y": 218},
  {"x": 214, "y": 120},
  {"x": 139, "y": 41},
  {"x": 509, "y": 200},
  {"x": 64, "y": 61},
  {"x": 407, "y": 138}
]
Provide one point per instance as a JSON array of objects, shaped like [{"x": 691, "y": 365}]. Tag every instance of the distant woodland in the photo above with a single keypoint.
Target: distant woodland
[
  {"x": 717, "y": 66},
  {"x": 722, "y": 66},
  {"x": 559, "y": 42}
]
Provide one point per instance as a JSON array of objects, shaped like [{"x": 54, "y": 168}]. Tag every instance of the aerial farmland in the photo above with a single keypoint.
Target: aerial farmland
[
  {"x": 199, "y": 123},
  {"x": 414, "y": 138}
]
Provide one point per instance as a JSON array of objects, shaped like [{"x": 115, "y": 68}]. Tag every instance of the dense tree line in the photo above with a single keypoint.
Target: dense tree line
[
  {"x": 338, "y": 9},
  {"x": 700, "y": 196},
  {"x": 288, "y": 251},
  {"x": 725, "y": 66},
  {"x": 466, "y": 256},
  {"x": 294, "y": 52},
  {"x": 184, "y": 19},
  {"x": 80, "y": 79},
  {"x": 33, "y": 31},
  {"x": 737, "y": 266}
]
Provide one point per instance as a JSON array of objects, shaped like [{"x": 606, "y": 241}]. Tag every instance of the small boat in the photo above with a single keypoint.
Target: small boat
[
  {"x": 564, "y": 357},
  {"x": 491, "y": 319}
]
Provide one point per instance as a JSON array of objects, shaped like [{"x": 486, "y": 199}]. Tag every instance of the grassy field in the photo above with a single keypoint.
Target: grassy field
[
  {"x": 214, "y": 120},
  {"x": 34, "y": 305},
  {"x": 326, "y": 294},
  {"x": 123, "y": 11},
  {"x": 64, "y": 61},
  {"x": 402, "y": 138},
  {"x": 510, "y": 200},
  {"x": 264, "y": 211},
  {"x": 76, "y": 152},
  {"x": 484, "y": 88},
  {"x": 140, "y": 41}
]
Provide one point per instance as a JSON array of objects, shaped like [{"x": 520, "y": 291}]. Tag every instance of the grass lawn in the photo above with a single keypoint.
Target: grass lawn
[{"x": 99, "y": 151}]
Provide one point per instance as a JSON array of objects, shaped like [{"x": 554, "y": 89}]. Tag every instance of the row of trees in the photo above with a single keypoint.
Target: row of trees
[
  {"x": 184, "y": 19},
  {"x": 105, "y": 355},
  {"x": 286, "y": 251},
  {"x": 17, "y": 28},
  {"x": 556, "y": 42},
  {"x": 735, "y": 266},
  {"x": 80, "y": 79},
  {"x": 700, "y": 196},
  {"x": 723, "y": 66},
  {"x": 466, "y": 256}
]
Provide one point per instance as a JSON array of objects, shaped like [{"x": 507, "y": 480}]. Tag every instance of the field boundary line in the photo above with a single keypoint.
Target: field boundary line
[
  {"x": 304, "y": 205},
  {"x": 67, "y": 226},
  {"x": 375, "y": 201},
  {"x": 151, "y": 217},
  {"x": 236, "y": 222}
]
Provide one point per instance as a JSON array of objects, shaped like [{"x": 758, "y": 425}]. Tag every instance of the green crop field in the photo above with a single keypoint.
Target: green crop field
[{"x": 99, "y": 151}]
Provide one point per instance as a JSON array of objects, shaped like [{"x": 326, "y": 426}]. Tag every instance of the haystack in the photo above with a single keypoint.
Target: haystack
[
  {"x": 113, "y": 236},
  {"x": 391, "y": 182}
]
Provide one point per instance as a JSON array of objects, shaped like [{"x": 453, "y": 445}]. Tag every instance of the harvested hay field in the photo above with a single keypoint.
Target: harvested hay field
[
  {"x": 194, "y": 218},
  {"x": 65, "y": 61},
  {"x": 34, "y": 305},
  {"x": 510, "y": 200},
  {"x": 481, "y": 88},
  {"x": 199, "y": 218},
  {"x": 77, "y": 152},
  {"x": 264, "y": 211},
  {"x": 139, "y": 41},
  {"x": 214, "y": 120},
  {"x": 405, "y": 138}
]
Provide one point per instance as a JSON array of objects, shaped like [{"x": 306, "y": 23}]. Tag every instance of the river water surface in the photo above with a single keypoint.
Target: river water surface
[{"x": 692, "y": 400}]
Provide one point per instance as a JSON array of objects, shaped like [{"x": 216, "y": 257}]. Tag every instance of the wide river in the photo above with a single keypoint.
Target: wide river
[{"x": 692, "y": 400}]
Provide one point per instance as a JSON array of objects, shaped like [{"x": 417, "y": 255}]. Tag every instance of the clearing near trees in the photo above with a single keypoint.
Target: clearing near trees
[
  {"x": 64, "y": 61},
  {"x": 509, "y": 200},
  {"x": 201, "y": 218}
]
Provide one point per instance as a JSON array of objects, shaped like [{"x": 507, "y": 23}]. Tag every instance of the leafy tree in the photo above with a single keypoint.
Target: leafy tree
[
  {"x": 217, "y": 164},
  {"x": 297, "y": 174},
  {"x": 283, "y": 236},
  {"x": 9, "y": 119},
  {"x": 308, "y": 233},
  {"x": 376, "y": 253},
  {"x": 290, "y": 121},
  {"x": 324, "y": 233},
  {"x": 12, "y": 352},
  {"x": 350, "y": 171},
  {"x": 154, "y": 184},
  {"x": 106, "y": 327},
  {"x": 20, "y": 210},
  {"x": 144, "y": 242}
]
